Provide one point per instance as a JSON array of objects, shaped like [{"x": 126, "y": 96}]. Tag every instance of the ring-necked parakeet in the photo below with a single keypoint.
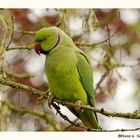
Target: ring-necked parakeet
[{"x": 68, "y": 71}]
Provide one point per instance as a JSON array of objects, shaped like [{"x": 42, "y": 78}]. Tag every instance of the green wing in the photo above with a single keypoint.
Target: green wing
[{"x": 85, "y": 73}]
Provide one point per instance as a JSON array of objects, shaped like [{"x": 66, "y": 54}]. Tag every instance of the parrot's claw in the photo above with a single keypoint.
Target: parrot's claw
[
  {"x": 50, "y": 99},
  {"x": 78, "y": 105}
]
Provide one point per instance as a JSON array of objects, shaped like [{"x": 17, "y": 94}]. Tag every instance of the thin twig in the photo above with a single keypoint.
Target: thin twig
[
  {"x": 26, "y": 32},
  {"x": 65, "y": 129},
  {"x": 101, "y": 80},
  {"x": 94, "y": 44},
  {"x": 122, "y": 130},
  {"x": 12, "y": 34},
  {"x": 20, "y": 75},
  {"x": 104, "y": 41},
  {"x": 22, "y": 32},
  {"x": 27, "y": 47}
]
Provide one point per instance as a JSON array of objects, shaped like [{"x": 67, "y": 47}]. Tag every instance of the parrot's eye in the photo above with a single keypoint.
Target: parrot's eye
[
  {"x": 44, "y": 39},
  {"x": 37, "y": 48}
]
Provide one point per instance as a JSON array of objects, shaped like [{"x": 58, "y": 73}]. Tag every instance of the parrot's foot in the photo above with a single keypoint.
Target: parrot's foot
[
  {"x": 50, "y": 99},
  {"x": 78, "y": 105}
]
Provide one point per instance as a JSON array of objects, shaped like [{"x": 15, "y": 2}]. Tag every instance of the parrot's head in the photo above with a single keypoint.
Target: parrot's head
[{"x": 46, "y": 39}]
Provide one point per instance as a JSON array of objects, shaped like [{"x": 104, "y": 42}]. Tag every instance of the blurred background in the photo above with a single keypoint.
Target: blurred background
[{"x": 110, "y": 37}]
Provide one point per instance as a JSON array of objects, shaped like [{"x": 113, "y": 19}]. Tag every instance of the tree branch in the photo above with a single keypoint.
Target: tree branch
[
  {"x": 47, "y": 118},
  {"x": 95, "y": 44},
  {"x": 33, "y": 91},
  {"x": 31, "y": 46},
  {"x": 44, "y": 95},
  {"x": 122, "y": 130},
  {"x": 12, "y": 31},
  {"x": 23, "y": 111},
  {"x": 19, "y": 75},
  {"x": 27, "y": 47},
  {"x": 135, "y": 115},
  {"x": 26, "y": 32}
]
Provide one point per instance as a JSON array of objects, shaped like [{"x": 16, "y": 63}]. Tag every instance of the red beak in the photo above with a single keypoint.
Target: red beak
[{"x": 37, "y": 48}]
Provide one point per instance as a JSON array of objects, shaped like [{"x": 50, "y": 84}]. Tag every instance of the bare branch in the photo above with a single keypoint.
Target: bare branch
[
  {"x": 122, "y": 130},
  {"x": 12, "y": 34},
  {"x": 23, "y": 111},
  {"x": 101, "y": 80},
  {"x": 27, "y": 47},
  {"x": 20, "y": 75},
  {"x": 87, "y": 128},
  {"x": 44, "y": 95},
  {"x": 135, "y": 115},
  {"x": 33, "y": 91},
  {"x": 95, "y": 44},
  {"x": 47, "y": 118},
  {"x": 26, "y": 32}
]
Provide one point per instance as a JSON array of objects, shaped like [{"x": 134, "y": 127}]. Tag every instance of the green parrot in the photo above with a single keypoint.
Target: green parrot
[{"x": 68, "y": 71}]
